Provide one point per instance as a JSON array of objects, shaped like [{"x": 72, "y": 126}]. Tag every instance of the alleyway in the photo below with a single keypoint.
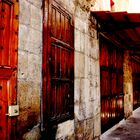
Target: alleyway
[{"x": 126, "y": 130}]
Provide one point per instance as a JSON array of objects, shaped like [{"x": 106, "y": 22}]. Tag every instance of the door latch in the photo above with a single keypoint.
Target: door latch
[{"x": 13, "y": 110}]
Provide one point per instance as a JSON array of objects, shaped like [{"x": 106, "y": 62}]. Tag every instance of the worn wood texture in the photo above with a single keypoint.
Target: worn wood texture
[
  {"x": 111, "y": 65},
  {"x": 58, "y": 64},
  {"x": 8, "y": 66},
  {"x": 136, "y": 81}
]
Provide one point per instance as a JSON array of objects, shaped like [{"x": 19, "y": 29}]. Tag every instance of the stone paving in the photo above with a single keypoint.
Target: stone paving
[{"x": 128, "y": 129}]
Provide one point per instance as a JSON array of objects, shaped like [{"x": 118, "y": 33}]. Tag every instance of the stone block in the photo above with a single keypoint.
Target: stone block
[
  {"x": 82, "y": 42},
  {"x": 94, "y": 48},
  {"x": 36, "y": 18},
  {"x": 22, "y": 122},
  {"x": 30, "y": 39},
  {"x": 84, "y": 130},
  {"x": 31, "y": 90},
  {"x": 87, "y": 45},
  {"x": 90, "y": 109},
  {"x": 87, "y": 105},
  {"x": 91, "y": 94},
  {"x": 23, "y": 101},
  {"x": 97, "y": 107},
  {"x": 92, "y": 30},
  {"x": 79, "y": 65},
  {"x": 80, "y": 11},
  {"x": 35, "y": 48},
  {"x": 34, "y": 95},
  {"x": 29, "y": 105},
  {"x": 34, "y": 134},
  {"x": 80, "y": 25},
  {"x": 97, "y": 125},
  {"x": 34, "y": 68},
  {"x": 79, "y": 130},
  {"x": 95, "y": 71},
  {"x": 87, "y": 67},
  {"x": 37, "y": 3},
  {"x": 93, "y": 68},
  {"x": 25, "y": 12},
  {"x": 84, "y": 106},
  {"x": 89, "y": 129},
  {"x": 65, "y": 131},
  {"x": 77, "y": 40},
  {"x": 23, "y": 37},
  {"x": 76, "y": 90},
  {"x": 80, "y": 110},
  {"x": 22, "y": 64},
  {"x": 71, "y": 6},
  {"x": 35, "y": 36}
]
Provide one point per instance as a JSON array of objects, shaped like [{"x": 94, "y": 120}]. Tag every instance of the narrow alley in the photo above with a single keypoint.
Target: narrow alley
[{"x": 128, "y": 129}]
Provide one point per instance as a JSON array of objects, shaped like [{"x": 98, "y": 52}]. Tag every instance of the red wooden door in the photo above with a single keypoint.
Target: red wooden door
[
  {"x": 111, "y": 66},
  {"x": 8, "y": 67},
  {"x": 58, "y": 64},
  {"x": 136, "y": 82}
]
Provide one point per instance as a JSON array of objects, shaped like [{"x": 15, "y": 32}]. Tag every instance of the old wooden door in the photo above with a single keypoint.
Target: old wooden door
[
  {"x": 8, "y": 66},
  {"x": 58, "y": 64},
  {"x": 136, "y": 82},
  {"x": 111, "y": 66}
]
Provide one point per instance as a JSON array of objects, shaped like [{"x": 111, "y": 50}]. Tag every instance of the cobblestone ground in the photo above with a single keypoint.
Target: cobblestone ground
[{"x": 126, "y": 130}]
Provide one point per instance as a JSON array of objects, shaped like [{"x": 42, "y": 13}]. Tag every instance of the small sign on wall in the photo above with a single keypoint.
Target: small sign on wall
[{"x": 13, "y": 110}]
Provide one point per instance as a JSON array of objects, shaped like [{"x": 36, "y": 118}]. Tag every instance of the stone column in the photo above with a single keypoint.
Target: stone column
[
  {"x": 29, "y": 67},
  {"x": 87, "y": 77},
  {"x": 128, "y": 85}
]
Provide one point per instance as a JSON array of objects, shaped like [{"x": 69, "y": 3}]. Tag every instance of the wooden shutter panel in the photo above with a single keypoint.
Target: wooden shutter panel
[
  {"x": 136, "y": 81},
  {"x": 111, "y": 68},
  {"x": 58, "y": 65},
  {"x": 5, "y": 34},
  {"x": 8, "y": 66}
]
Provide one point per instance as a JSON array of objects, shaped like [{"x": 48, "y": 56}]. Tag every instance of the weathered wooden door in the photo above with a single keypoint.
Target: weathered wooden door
[
  {"x": 112, "y": 100},
  {"x": 58, "y": 64},
  {"x": 8, "y": 66},
  {"x": 136, "y": 82}
]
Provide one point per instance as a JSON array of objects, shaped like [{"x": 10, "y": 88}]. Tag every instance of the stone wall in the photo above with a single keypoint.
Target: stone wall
[
  {"x": 87, "y": 76},
  {"x": 86, "y": 123},
  {"x": 29, "y": 64},
  {"x": 128, "y": 85}
]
